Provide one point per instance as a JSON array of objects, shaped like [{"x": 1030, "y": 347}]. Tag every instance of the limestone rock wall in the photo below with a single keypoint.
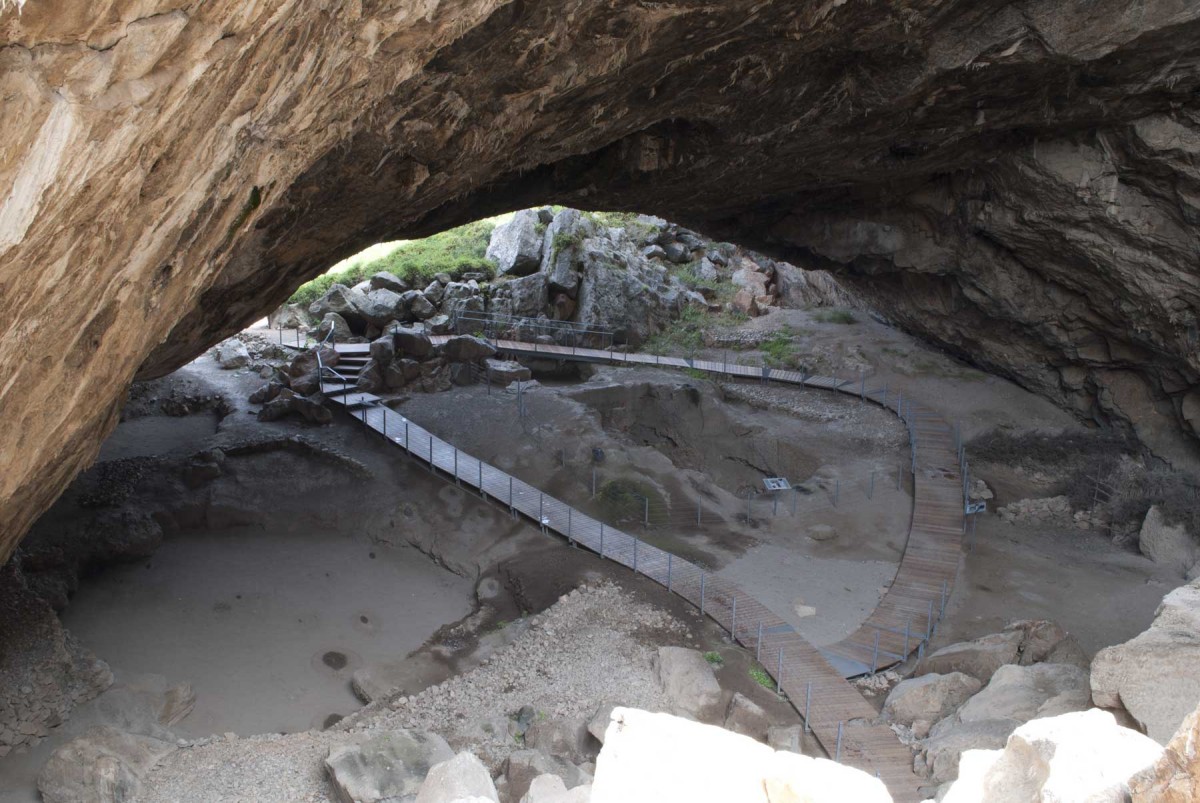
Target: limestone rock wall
[{"x": 171, "y": 169}]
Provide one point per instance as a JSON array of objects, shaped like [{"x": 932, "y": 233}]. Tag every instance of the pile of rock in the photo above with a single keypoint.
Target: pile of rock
[
  {"x": 1048, "y": 510},
  {"x": 974, "y": 694},
  {"x": 569, "y": 266}
]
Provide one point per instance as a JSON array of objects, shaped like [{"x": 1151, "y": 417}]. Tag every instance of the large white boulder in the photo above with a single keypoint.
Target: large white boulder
[
  {"x": 1169, "y": 545},
  {"x": 650, "y": 758},
  {"x": 1081, "y": 756},
  {"x": 516, "y": 246},
  {"x": 461, "y": 778},
  {"x": 929, "y": 698},
  {"x": 1155, "y": 676},
  {"x": 104, "y": 765},
  {"x": 689, "y": 683}
]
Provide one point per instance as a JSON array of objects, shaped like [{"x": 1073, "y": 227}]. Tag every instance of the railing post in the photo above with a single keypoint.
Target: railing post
[
  {"x": 871, "y": 492},
  {"x": 779, "y": 672},
  {"x": 406, "y": 435},
  {"x": 875, "y": 654},
  {"x": 602, "y": 540},
  {"x": 929, "y": 622},
  {"x": 570, "y": 539},
  {"x": 698, "y": 512},
  {"x": 385, "y": 412},
  {"x": 510, "y": 496},
  {"x": 635, "y": 543},
  {"x": 907, "y": 628},
  {"x": 733, "y": 619},
  {"x": 541, "y": 508},
  {"x": 456, "y": 482},
  {"x": 838, "y": 753},
  {"x": 807, "y": 705},
  {"x": 646, "y": 512},
  {"x": 668, "y": 572},
  {"x": 942, "y": 613},
  {"x": 432, "y": 467},
  {"x": 701, "y": 593}
]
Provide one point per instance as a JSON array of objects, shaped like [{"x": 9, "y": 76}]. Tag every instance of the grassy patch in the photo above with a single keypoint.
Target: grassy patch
[
  {"x": 624, "y": 500},
  {"x": 762, "y": 678},
  {"x": 455, "y": 251},
  {"x": 714, "y": 658},
  {"x": 779, "y": 350},
  {"x": 835, "y": 316}
]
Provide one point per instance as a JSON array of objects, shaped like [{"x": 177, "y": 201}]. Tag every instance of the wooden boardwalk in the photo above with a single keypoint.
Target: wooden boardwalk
[{"x": 814, "y": 680}]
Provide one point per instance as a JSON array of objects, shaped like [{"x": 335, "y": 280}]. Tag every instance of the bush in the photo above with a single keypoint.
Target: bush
[
  {"x": 714, "y": 658},
  {"x": 455, "y": 251},
  {"x": 1134, "y": 488},
  {"x": 762, "y": 677},
  {"x": 779, "y": 350}
]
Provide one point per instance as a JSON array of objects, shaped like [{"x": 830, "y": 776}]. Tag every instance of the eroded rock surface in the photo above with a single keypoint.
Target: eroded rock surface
[{"x": 1015, "y": 181}]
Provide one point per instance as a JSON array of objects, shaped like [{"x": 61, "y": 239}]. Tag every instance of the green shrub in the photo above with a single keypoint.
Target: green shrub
[
  {"x": 779, "y": 350},
  {"x": 455, "y": 251},
  {"x": 762, "y": 677},
  {"x": 714, "y": 658}
]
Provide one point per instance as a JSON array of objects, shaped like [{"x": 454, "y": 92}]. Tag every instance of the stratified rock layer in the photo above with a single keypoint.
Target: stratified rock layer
[{"x": 1015, "y": 181}]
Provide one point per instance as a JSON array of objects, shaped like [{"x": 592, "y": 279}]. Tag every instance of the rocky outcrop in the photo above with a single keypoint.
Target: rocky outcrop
[
  {"x": 1076, "y": 756},
  {"x": 1155, "y": 676},
  {"x": 1170, "y": 545},
  {"x": 689, "y": 683},
  {"x": 1064, "y": 259},
  {"x": 1175, "y": 777}
]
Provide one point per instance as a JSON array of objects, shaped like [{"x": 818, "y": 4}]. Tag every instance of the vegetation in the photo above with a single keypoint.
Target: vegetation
[
  {"x": 455, "y": 251},
  {"x": 835, "y": 316},
  {"x": 779, "y": 350},
  {"x": 625, "y": 500},
  {"x": 714, "y": 658},
  {"x": 762, "y": 678}
]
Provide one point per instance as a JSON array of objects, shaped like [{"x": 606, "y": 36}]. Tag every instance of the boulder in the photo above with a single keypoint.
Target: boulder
[
  {"x": 370, "y": 378},
  {"x": 707, "y": 271},
  {"x": 1155, "y": 676},
  {"x": 461, "y": 778},
  {"x": 566, "y": 738},
  {"x": 380, "y": 307},
  {"x": 945, "y": 747},
  {"x": 653, "y": 757},
  {"x": 1175, "y": 777},
  {"x": 266, "y": 392},
  {"x": 421, "y": 308},
  {"x": 413, "y": 343},
  {"x": 751, "y": 278},
  {"x": 551, "y": 789},
  {"x": 290, "y": 316},
  {"x": 522, "y": 298},
  {"x": 677, "y": 253},
  {"x": 332, "y": 322},
  {"x": 343, "y": 301},
  {"x": 786, "y": 737},
  {"x": 104, "y": 765},
  {"x": 599, "y": 721},
  {"x": 466, "y": 348},
  {"x": 434, "y": 291},
  {"x": 462, "y": 298},
  {"x": 385, "y": 765},
  {"x": 689, "y": 683},
  {"x": 400, "y": 372},
  {"x": 504, "y": 372},
  {"x": 560, "y": 251},
  {"x": 439, "y": 325},
  {"x": 1083, "y": 755},
  {"x": 929, "y": 698},
  {"x": 232, "y": 354},
  {"x": 383, "y": 349},
  {"x": 746, "y": 717},
  {"x": 516, "y": 246},
  {"x": 1169, "y": 545},
  {"x": 383, "y": 280},
  {"x": 522, "y": 766},
  {"x": 979, "y": 658},
  {"x": 743, "y": 302},
  {"x": 305, "y": 363},
  {"x": 1017, "y": 694}
]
